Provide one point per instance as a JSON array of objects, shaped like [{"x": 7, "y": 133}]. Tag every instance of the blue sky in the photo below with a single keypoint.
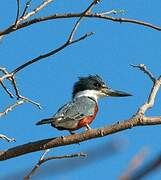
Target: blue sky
[{"x": 109, "y": 53}]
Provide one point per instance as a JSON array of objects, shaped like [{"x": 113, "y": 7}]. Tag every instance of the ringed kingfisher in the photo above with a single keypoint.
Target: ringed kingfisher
[{"x": 82, "y": 109}]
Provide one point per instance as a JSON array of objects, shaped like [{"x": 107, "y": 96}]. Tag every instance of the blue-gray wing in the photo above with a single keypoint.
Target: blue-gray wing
[
  {"x": 69, "y": 115},
  {"x": 76, "y": 110}
]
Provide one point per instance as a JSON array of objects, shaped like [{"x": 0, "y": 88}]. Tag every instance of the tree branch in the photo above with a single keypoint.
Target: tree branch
[
  {"x": 43, "y": 160},
  {"x": 2, "y": 136},
  {"x": 74, "y": 15},
  {"x": 11, "y": 107},
  {"x": 11, "y": 78},
  {"x": 143, "y": 68},
  {"x": 25, "y": 15},
  {"x": 76, "y": 138},
  {"x": 18, "y": 12},
  {"x": 43, "y": 56},
  {"x": 154, "y": 90},
  {"x": 7, "y": 90},
  {"x": 27, "y": 5},
  {"x": 87, "y": 11}
]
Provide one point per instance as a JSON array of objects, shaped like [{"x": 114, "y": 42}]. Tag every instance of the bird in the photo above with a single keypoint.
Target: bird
[{"x": 82, "y": 109}]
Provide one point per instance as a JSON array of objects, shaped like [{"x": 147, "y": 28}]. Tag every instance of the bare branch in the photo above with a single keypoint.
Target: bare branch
[
  {"x": 7, "y": 90},
  {"x": 149, "y": 104},
  {"x": 77, "y": 138},
  {"x": 11, "y": 78},
  {"x": 156, "y": 85},
  {"x": 109, "y": 12},
  {"x": 22, "y": 97},
  {"x": 18, "y": 12},
  {"x": 11, "y": 107},
  {"x": 143, "y": 68},
  {"x": 2, "y": 136},
  {"x": 43, "y": 160},
  {"x": 5, "y": 76},
  {"x": 30, "y": 101},
  {"x": 44, "y": 154},
  {"x": 87, "y": 11},
  {"x": 73, "y": 15},
  {"x": 82, "y": 37},
  {"x": 40, "y": 7},
  {"x": 43, "y": 56},
  {"x": 120, "y": 11},
  {"x": 13, "y": 81},
  {"x": 25, "y": 9},
  {"x": 3, "y": 70}
]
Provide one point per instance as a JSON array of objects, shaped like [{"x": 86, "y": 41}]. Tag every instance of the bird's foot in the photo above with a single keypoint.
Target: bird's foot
[{"x": 88, "y": 127}]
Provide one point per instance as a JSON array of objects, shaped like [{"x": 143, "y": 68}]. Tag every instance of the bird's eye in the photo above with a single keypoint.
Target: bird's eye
[{"x": 97, "y": 85}]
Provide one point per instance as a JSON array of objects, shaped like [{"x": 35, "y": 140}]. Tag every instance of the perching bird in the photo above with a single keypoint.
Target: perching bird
[{"x": 82, "y": 109}]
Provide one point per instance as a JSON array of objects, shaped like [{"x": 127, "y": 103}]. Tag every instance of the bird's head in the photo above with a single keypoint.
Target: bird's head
[{"x": 93, "y": 86}]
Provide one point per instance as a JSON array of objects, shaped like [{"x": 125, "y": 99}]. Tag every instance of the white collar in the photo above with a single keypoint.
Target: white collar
[{"x": 89, "y": 93}]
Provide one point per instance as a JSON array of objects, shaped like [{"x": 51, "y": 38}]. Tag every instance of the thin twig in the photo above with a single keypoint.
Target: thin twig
[
  {"x": 11, "y": 78},
  {"x": 40, "y": 7},
  {"x": 43, "y": 160},
  {"x": 6, "y": 75},
  {"x": 3, "y": 70},
  {"x": 2, "y": 136},
  {"x": 11, "y": 107},
  {"x": 44, "y": 154},
  {"x": 109, "y": 12},
  {"x": 7, "y": 90},
  {"x": 156, "y": 85},
  {"x": 27, "y": 5},
  {"x": 87, "y": 11},
  {"x": 13, "y": 81},
  {"x": 18, "y": 12},
  {"x": 30, "y": 101},
  {"x": 43, "y": 56},
  {"x": 82, "y": 37},
  {"x": 143, "y": 68}
]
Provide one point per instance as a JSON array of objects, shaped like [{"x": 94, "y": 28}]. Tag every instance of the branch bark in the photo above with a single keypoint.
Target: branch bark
[
  {"x": 77, "y": 138},
  {"x": 74, "y": 15},
  {"x": 43, "y": 160}
]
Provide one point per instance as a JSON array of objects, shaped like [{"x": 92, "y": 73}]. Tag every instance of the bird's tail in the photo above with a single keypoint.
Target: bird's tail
[{"x": 45, "y": 121}]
